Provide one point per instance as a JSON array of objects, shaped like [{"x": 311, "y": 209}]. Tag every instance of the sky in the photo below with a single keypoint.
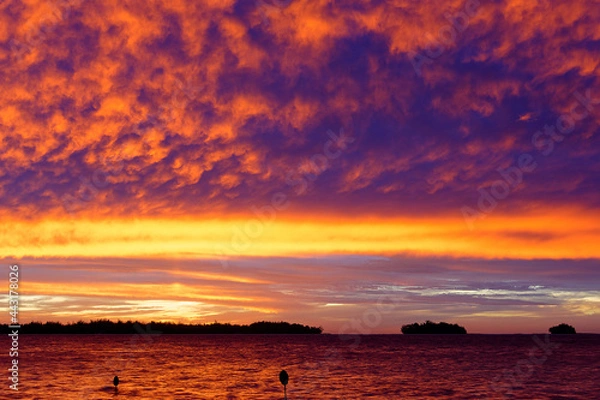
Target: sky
[{"x": 355, "y": 165}]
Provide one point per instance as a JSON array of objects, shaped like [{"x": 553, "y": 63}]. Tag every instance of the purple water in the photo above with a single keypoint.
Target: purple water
[{"x": 320, "y": 367}]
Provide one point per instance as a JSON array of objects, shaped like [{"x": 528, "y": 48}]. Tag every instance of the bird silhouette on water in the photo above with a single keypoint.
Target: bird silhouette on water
[
  {"x": 284, "y": 379},
  {"x": 116, "y": 381}
]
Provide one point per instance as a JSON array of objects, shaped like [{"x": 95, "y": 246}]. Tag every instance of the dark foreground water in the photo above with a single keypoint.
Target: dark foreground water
[{"x": 320, "y": 367}]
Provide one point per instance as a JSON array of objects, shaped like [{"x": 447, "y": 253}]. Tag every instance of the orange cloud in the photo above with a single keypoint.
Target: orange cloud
[{"x": 538, "y": 235}]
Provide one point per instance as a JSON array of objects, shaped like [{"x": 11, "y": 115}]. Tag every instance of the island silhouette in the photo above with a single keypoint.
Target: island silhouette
[
  {"x": 562, "y": 329},
  {"x": 429, "y": 327},
  {"x": 109, "y": 327}
]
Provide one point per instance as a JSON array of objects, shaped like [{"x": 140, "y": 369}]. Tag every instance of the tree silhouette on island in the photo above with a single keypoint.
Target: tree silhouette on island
[
  {"x": 562, "y": 329},
  {"x": 429, "y": 327},
  {"x": 109, "y": 327}
]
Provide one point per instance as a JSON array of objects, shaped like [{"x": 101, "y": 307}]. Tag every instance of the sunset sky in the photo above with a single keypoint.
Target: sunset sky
[{"x": 356, "y": 165}]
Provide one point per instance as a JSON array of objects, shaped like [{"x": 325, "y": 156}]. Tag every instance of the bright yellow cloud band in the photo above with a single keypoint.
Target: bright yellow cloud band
[{"x": 557, "y": 234}]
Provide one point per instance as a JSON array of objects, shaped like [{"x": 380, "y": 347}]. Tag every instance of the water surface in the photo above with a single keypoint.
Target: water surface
[{"x": 320, "y": 366}]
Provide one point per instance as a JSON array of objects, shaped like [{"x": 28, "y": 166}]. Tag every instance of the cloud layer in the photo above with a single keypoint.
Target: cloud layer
[
  {"x": 445, "y": 154},
  {"x": 340, "y": 293},
  {"x": 149, "y": 108}
]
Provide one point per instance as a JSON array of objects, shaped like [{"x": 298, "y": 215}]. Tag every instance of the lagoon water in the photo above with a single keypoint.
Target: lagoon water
[{"x": 320, "y": 367}]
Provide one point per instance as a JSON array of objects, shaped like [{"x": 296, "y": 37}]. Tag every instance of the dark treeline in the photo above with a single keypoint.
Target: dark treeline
[
  {"x": 562, "y": 329},
  {"x": 131, "y": 327},
  {"x": 433, "y": 328}
]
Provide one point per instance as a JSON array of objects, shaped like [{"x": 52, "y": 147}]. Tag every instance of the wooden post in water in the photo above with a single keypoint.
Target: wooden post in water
[{"x": 284, "y": 379}]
